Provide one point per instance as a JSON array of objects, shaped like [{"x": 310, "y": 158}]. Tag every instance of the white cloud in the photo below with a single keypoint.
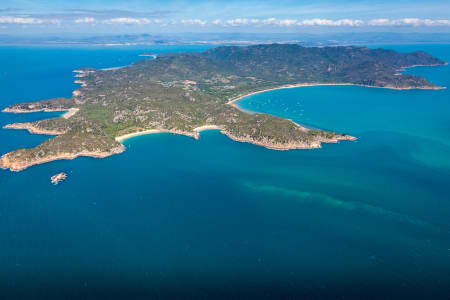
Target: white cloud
[
  {"x": 85, "y": 20},
  {"x": 27, "y": 20},
  {"x": 270, "y": 21},
  {"x": 241, "y": 21},
  {"x": 287, "y": 22},
  {"x": 379, "y": 22},
  {"x": 284, "y": 22},
  {"x": 236, "y": 22},
  {"x": 128, "y": 21},
  {"x": 415, "y": 22},
  {"x": 194, "y": 22},
  {"x": 326, "y": 22},
  {"x": 293, "y": 22}
]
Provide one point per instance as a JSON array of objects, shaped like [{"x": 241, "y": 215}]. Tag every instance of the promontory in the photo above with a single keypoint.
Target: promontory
[{"x": 184, "y": 92}]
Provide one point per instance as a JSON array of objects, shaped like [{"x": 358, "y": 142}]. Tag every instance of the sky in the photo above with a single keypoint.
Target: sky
[{"x": 146, "y": 16}]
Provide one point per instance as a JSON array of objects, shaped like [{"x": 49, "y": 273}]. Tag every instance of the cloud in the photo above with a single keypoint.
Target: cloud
[
  {"x": 334, "y": 23},
  {"x": 123, "y": 17},
  {"x": 85, "y": 20},
  {"x": 326, "y": 22},
  {"x": 128, "y": 21},
  {"x": 379, "y": 22},
  {"x": 242, "y": 21},
  {"x": 270, "y": 21},
  {"x": 293, "y": 22},
  {"x": 194, "y": 22},
  {"x": 408, "y": 22},
  {"x": 287, "y": 22},
  {"x": 27, "y": 20}
]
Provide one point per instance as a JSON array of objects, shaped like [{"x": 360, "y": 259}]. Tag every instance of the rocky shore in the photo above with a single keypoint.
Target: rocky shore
[
  {"x": 56, "y": 179},
  {"x": 6, "y": 162},
  {"x": 25, "y": 111},
  {"x": 317, "y": 143},
  {"x": 32, "y": 129},
  {"x": 291, "y": 86}
]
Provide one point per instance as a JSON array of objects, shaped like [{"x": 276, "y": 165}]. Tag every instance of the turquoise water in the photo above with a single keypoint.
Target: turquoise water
[{"x": 173, "y": 217}]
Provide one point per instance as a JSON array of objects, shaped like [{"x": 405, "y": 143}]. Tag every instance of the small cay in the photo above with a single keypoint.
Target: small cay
[{"x": 56, "y": 179}]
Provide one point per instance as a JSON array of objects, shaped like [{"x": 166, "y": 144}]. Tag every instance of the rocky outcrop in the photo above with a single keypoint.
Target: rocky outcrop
[
  {"x": 32, "y": 128},
  {"x": 17, "y": 163},
  {"x": 313, "y": 144},
  {"x": 56, "y": 179}
]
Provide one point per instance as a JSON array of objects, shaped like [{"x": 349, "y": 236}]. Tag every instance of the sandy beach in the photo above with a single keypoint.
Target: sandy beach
[
  {"x": 70, "y": 113},
  {"x": 289, "y": 86},
  {"x": 130, "y": 135},
  {"x": 154, "y": 56},
  {"x": 194, "y": 133},
  {"x": 207, "y": 127}
]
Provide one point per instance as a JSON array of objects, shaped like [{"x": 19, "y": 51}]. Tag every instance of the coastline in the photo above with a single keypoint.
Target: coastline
[
  {"x": 291, "y": 145},
  {"x": 207, "y": 127},
  {"x": 288, "y": 86},
  {"x": 233, "y": 101},
  {"x": 26, "y": 111},
  {"x": 69, "y": 112},
  {"x": 124, "y": 137},
  {"x": 273, "y": 146},
  {"x": 5, "y": 163},
  {"x": 32, "y": 129},
  {"x": 154, "y": 56},
  {"x": 195, "y": 132}
]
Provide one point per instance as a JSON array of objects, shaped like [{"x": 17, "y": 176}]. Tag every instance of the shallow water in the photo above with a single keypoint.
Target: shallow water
[{"x": 176, "y": 217}]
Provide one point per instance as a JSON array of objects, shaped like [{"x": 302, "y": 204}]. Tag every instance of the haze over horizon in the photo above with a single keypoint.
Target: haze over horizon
[{"x": 41, "y": 17}]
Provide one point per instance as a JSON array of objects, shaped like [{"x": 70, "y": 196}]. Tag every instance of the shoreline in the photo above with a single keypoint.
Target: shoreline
[
  {"x": 273, "y": 146},
  {"x": 293, "y": 145},
  {"x": 195, "y": 133},
  {"x": 288, "y": 86},
  {"x": 6, "y": 164},
  {"x": 69, "y": 112},
  {"x": 124, "y": 137},
  {"x": 154, "y": 56},
  {"x": 32, "y": 129},
  {"x": 233, "y": 101}
]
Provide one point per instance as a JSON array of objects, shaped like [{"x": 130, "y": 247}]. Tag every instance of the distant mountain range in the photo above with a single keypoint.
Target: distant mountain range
[{"x": 305, "y": 39}]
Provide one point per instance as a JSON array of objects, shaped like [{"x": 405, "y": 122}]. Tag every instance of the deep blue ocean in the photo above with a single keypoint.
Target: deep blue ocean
[{"x": 177, "y": 218}]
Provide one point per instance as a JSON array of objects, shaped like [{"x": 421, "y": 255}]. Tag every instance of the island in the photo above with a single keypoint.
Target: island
[
  {"x": 56, "y": 179},
  {"x": 185, "y": 93}
]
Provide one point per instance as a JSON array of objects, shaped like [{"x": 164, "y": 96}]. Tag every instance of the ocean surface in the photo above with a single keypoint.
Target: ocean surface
[{"x": 174, "y": 217}]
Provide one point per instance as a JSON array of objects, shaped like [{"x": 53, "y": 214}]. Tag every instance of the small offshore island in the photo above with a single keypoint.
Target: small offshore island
[
  {"x": 56, "y": 179},
  {"x": 186, "y": 93}
]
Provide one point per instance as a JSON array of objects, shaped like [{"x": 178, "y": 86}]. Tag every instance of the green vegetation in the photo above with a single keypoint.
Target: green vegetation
[{"x": 184, "y": 91}]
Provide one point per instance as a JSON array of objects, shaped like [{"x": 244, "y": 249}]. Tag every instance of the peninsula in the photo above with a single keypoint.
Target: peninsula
[{"x": 185, "y": 93}]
